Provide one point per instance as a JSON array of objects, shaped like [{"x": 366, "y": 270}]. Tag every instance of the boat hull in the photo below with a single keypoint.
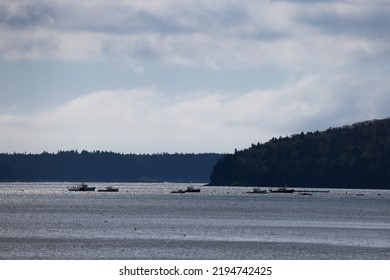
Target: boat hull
[
  {"x": 178, "y": 191},
  {"x": 283, "y": 191},
  {"x": 80, "y": 189},
  {"x": 194, "y": 190},
  {"x": 259, "y": 192},
  {"x": 111, "y": 190}
]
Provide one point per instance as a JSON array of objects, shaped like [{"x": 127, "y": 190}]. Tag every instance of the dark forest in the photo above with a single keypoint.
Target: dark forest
[
  {"x": 355, "y": 156},
  {"x": 352, "y": 156},
  {"x": 100, "y": 166}
]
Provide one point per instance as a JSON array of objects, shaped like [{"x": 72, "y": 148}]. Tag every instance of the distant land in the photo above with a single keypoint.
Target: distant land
[
  {"x": 98, "y": 166},
  {"x": 352, "y": 156}
]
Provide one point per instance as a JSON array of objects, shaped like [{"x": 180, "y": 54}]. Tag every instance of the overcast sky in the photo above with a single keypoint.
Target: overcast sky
[{"x": 155, "y": 76}]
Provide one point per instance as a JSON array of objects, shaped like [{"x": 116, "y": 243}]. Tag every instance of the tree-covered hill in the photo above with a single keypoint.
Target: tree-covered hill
[
  {"x": 107, "y": 167},
  {"x": 356, "y": 156}
]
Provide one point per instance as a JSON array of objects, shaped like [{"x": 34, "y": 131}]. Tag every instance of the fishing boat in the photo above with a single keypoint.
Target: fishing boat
[
  {"x": 188, "y": 189},
  {"x": 109, "y": 189},
  {"x": 192, "y": 189},
  {"x": 178, "y": 191},
  {"x": 305, "y": 193},
  {"x": 257, "y": 190},
  {"x": 282, "y": 190},
  {"x": 82, "y": 188}
]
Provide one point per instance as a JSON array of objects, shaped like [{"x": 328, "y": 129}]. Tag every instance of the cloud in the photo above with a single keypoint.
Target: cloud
[
  {"x": 216, "y": 34},
  {"x": 145, "y": 120},
  {"x": 204, "y": 75}
]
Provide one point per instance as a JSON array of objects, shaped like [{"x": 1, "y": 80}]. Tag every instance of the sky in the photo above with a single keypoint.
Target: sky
[{"x": 182, "y": 76}]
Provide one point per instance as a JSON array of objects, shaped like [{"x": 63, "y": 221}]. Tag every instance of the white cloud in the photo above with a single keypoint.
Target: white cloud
[
  {"x": 146, "y": 121},
  {"x": 330, "y": 50}
]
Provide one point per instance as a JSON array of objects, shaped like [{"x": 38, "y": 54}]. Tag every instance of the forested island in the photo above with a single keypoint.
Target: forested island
[
  {"x": 98, "y": 166},
  {"x": 355, "y": 156}
]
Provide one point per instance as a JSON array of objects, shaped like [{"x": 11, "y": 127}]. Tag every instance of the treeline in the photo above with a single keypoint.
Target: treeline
[
  {"x": 100, "y": 166},
  {"x": 356, "y": 156}
]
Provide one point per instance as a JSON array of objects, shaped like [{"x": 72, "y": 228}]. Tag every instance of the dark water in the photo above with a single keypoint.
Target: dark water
[{"x": 146, "y": 221}]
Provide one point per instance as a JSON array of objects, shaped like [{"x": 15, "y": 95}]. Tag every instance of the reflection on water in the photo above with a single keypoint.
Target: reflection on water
[{"x": 147, "y": 221}]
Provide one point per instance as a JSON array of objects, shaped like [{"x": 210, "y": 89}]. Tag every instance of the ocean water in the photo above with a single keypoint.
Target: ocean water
[{"x": 147, "y": 221}]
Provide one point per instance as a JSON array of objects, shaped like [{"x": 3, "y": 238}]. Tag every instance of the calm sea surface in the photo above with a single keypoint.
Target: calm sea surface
[{"x": 146, "y": 221}]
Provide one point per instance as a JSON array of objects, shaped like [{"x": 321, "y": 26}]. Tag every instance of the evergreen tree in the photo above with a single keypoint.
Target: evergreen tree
[{"x": 356, "y": 156}]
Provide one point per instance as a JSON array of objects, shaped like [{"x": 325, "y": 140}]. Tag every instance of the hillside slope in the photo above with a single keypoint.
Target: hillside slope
[{"x": 356, "y": 156}]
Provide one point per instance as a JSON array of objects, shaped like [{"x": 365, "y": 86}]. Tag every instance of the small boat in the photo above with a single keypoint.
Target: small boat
[
  {"x": 82, "y": 188},
  {"x": 257, "y": 190},
  {"x": 109, "y": 189},
  {"x": 305, "y": 193},
  {"x": 189, "y": 189},
  {"x": 282, "y": 190},
  {"x": 311, "y": 191},
  {"x": 192, "y": 189},
  {"x": 178, "y": 191}
]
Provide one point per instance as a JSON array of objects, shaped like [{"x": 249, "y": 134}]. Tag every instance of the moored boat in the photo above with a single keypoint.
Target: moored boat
[
  {"x": 282, "y": 190},
  {"x": 188, "y": 189},
  {"x": 82, "y": 188},
  {"x": 257, "y": 190},
  {"x": 109, "y": 189},
  {"x": 178, "y": 191},
  {"x": 192, "y": 189},
  {"x": 305, "y": 193}
]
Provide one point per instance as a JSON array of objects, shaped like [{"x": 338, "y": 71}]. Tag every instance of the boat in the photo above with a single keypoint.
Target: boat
[
  {"x": 258, "y": 190},
  {"x": 192, "y": 189},
  {"x": 189, "y": 189},
  {"x": 82, "y": 188},
  {"x": 305, "y": 193},
  {"x": 109, "y": 189},
  {"x": 311, "y": 191},
  {"x": 178, "y": 191},
  {"x": 282, "y": 190}
]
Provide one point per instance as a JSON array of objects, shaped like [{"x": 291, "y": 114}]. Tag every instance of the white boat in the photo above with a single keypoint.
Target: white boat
[
  {"x": 257, "y": 190},
  {"x": 192, "y": 189},
  {"x": 82, "y": 188}
]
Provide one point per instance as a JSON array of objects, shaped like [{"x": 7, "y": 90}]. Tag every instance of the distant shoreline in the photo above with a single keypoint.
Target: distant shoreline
[{"x": 297, "y": 189}]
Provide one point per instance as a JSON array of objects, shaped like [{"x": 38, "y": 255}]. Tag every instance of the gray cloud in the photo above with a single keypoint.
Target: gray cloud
[
  {"x": 74, "y": 17},
  {"x": 307, "y": 2},
  {"x": 217, "y": 34},
  {"x": 27, "y": 15},
  {"x": 116, "y": 18},
  {"x": 371, "y": 22},
  {"x": 329, "y": 62}
]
